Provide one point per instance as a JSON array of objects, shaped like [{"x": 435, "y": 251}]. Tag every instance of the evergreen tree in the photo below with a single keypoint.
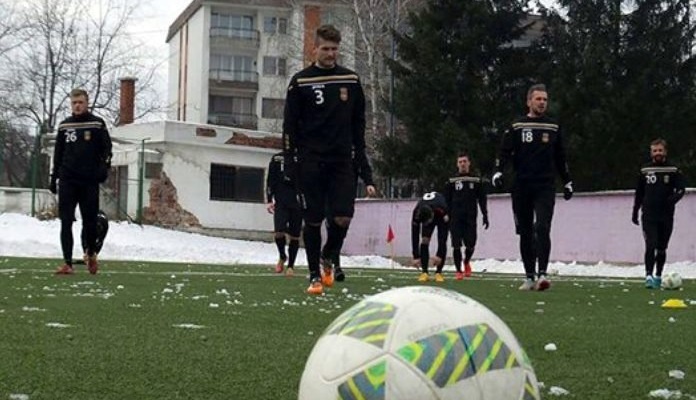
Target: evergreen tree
[
  {"x": 454, "y": 84},
  {"x": 621, "y": 73}
]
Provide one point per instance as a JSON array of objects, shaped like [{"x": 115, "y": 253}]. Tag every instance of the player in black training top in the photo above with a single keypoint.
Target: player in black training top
[
  {"x": 660, "y": 186},
  {"x": 534, "y": 144},
  {"x": 81, "y": 161},
  {"x": 324, "y": 125},
  {"x": 430, "y": 213},
  {"x": 465, "y": 194},
  {"x": 281, "y": 197}
]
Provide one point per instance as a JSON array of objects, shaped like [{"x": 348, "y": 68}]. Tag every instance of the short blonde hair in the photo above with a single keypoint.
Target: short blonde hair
[{"x": 77, "y": 92}]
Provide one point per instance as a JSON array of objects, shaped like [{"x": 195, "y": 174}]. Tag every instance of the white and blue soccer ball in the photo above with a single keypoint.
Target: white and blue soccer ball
[
  {"x": 418, "y": 342},
  {"x": 671, "y": 281}
]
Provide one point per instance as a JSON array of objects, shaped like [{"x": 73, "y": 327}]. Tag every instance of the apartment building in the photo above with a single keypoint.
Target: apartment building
[{"x": 230, "y": 61}]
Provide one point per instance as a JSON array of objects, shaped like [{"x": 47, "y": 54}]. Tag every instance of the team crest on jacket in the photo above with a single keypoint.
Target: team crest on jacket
[
  {"x": 666, "y": 178},
  {"x": 344, "y": 94},
  {"x": 458, "y": 185},
  {"x": 88, "y": 135},
  {"x": 545, "y": 137}
]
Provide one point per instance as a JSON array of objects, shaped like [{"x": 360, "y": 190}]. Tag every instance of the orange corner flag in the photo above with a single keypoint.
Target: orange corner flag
[{"x": 390, "y": 234}]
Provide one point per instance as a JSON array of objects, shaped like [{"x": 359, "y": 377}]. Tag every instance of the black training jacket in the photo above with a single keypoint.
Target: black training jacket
[
  {"x": 83, "y": 149},
  {"x": 278, "y": 186},
  {"x": 324, "y": 117},
  {"x": 535, "y": 146},
  {"x": 464, "y": 193},
  {"x": 659, "y": 188}
]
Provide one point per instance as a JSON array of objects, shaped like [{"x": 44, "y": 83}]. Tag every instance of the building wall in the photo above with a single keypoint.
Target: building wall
[
  {"x": 189, "y": 169},
  {"x": 189, "y": 63},
  {"x": 173, "y": 100},
  {"x": 186, "y": 156},
  {"x": 18, "y": 200},
  {"x": 589, "y": 228},
  {"x": 198, "y": 62},
  {"x": 275, "y": 45}
]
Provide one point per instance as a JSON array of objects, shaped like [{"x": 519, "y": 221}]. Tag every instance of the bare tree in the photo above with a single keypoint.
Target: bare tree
[
  {"x": 16, "y": 146},
  {"x": 77, "y": 43},
  {"x": 10, "y": 26},
  {"x": 375, "y": 20}
]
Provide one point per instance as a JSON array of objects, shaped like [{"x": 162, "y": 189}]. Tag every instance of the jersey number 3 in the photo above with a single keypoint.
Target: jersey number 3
[{"x": 319, "y": 96}]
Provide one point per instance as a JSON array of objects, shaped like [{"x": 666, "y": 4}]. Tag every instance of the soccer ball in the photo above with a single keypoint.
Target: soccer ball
[
  {"x": 418, "y": 343},
  {"x": 672, "y": 281}
]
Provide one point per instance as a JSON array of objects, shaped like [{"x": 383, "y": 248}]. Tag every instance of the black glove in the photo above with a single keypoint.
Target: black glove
[
  {"x": 103, "y": 170},
  {"x": 675, "y": 197},
  {"x": 485, "y": 221},
  {"x": 568, "y": 190},
  {"x": 634, "y": 218},
  {"x": 102, "y": 173},
  {"x": 53, "y": 184}
]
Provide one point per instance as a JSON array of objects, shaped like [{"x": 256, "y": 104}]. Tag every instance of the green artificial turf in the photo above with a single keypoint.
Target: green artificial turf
[{"x": 124, "y": 332}]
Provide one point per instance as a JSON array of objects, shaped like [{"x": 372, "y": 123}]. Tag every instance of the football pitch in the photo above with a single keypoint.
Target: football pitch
[{"x": 141, "y": 330}]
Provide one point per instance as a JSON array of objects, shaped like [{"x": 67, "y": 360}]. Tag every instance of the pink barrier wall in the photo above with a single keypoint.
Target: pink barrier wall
[{"x": 590, "y": 228}]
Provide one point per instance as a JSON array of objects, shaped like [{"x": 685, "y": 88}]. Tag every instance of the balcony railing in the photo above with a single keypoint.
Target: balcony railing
[
  {"x": 234, "y": 75},
  {"x": 250, "y": 36},
  {"x": 237, "y": 120}
]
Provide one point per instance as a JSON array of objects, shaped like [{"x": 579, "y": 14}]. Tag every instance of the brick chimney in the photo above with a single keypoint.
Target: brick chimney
[
  {"x": 312, "y": 20},
  {"x": 126, "y": 112}
]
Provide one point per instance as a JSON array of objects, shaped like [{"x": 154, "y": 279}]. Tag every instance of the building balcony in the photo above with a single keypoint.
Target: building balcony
[
  {"x": 238, "y": 38},
  {"x": 237, "y": 120},
  {"x": 235, "y": 79}
]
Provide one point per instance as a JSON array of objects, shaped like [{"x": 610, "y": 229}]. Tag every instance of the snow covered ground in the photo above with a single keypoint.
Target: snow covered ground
[{"x": 23, "y": 236}]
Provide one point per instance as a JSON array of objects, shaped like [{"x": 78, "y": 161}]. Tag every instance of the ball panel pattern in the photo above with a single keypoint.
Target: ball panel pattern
[
  {"x": 367, "y": 321},
  {"x": 455, "y": 355}
]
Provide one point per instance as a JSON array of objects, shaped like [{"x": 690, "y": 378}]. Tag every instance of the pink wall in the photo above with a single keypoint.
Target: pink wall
[{"x": 591, "y": 227}]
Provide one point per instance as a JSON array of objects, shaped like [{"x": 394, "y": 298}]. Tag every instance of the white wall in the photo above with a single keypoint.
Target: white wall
[
  {"x": 275, "y": 45},
  {"x": 186, "y": 160},
  {"x": 189, "y": 169},
  {"x": 198, "y": 60},
  {"x": 173, "y": 76},
  {"x": 18, "y": 200}
]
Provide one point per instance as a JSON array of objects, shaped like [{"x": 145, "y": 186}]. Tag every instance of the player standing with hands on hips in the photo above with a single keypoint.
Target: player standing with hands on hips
[
  {"x": 323, "y": 129},
  {"x": 81, "y": 161},
  {"x": 534, "y": 144},
  {"x": 660, "y": 186}
]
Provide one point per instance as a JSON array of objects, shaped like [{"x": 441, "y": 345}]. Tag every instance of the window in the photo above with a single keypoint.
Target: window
[
  {"x": 275, "y": 25},
  {"x": 274, "y": 66},
  {"x": 272, "y": 108},
  {"x": 239, "y": 22},
  {"x": 153, "y": 170},
  {"x": 229, "y": 104},
  {"x": 233, "y": 183},
  {"x": 237, "y": 26},
  {"x": 232, "y": 67},
  {"x": 226, "y": 62}
]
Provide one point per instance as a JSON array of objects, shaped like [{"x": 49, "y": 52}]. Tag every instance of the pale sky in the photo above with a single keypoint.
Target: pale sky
[{"x": 150, "y": 26}]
